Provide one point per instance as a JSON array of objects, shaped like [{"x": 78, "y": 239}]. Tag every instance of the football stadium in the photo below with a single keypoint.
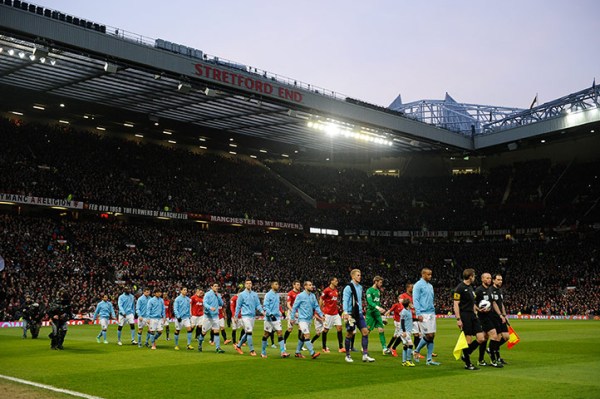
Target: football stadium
[{"x": 175, "y": 223}]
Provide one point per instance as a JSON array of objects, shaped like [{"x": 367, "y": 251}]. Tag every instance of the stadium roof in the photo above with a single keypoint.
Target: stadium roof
[{"x": 154, "y": 85}]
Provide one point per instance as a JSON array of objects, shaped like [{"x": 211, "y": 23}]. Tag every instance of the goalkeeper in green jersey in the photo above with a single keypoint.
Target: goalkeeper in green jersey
[{"x": 374, "y": 311}]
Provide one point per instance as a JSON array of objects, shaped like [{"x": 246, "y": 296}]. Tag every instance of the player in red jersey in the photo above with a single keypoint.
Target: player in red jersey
[
  {"x": 197, "y": 311},
  {"x": 292, "y": 319},
  {"x": 168, "y": 314},
  {"x": 236, "y": 323},
  {"x": 396, "y": 309},
  {"x": 328, "y": 301}
]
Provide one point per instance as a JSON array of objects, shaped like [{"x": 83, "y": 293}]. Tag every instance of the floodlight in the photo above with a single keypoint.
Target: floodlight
[
  {"x": 111, "y": 68},
  {"x": 184, "y": 87}
]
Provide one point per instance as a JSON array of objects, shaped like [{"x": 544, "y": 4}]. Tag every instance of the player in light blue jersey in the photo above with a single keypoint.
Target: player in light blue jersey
[
  {"x": 156, "y": 313},
  {"x": 406, "y": 324},
  {"x": 425, "y": 312},
  {"x": 272, "y": 320},
  {"x": 306, "y": 305},
  {"x": 141, "y": 308},
  {"x": 247, "y": 306},
  {"x": 181, "y": 310},
  {"x": 126, "y": 314},
  {"x": 212, "y": 303},
  {"x": 105, "y": 310}
]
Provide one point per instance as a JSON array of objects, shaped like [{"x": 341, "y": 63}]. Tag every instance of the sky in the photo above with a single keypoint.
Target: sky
[{"x": 499, "y": 53}]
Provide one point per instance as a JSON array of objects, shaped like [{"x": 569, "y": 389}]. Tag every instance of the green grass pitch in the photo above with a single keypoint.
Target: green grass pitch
[{"x": 555, "y": 359}]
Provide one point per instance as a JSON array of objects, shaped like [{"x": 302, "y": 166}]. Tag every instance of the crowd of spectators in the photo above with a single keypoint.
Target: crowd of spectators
[
  {"x": 557, "y": 275},
  {"x": 59, "y": 162},
  {"x": 88, "y": 258}
]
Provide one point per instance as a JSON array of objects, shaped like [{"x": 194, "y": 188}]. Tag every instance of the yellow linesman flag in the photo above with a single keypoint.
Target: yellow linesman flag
[
  {"x": 513, "y": 338},
  {"x": 461, "y": 344}
]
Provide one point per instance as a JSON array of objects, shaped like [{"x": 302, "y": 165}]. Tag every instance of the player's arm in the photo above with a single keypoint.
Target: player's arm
[
  {"x": 417, "y": 301},
  {"x": 503, "y": 314},
  {"x": 346, "y": 302},
  {"x": 457, "y": 310},
  {"x": 317, "y": 309}
]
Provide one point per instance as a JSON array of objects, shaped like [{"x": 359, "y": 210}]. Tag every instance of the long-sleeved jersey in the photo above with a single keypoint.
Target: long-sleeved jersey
[
  {"x": 247, "y": 304},
  {"x": 105, "y": 310},
  {"x": 271, "y": 304},
  {"x": 141, "y": 306},
  {"x": 423, "y": 297},
  {"x": 347, "y": 299},
  {"x": 306, "y": 305},
  {"x": 126, "y": 304},
  {"x": 181, "y": 307},
  {"x": 156, "y": 308},
  {"x": 212, "y": 303}
]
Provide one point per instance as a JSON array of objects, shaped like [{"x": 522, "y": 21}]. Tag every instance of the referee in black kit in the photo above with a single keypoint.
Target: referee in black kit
[{"x": 466, "y": 316}]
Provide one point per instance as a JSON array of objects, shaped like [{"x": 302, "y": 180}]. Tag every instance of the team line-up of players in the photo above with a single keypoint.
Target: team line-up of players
[{"x": 414, "y": 314}]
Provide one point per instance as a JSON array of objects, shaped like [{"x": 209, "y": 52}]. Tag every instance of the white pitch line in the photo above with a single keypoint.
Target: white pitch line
[{"x": 50, "y": 387}]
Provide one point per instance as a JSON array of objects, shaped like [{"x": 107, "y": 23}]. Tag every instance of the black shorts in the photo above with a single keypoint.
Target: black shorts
[
  {"x": 487, "y": 323},
  {"x": 500, "y": 327},
  {"x": 471, "y": 324}
]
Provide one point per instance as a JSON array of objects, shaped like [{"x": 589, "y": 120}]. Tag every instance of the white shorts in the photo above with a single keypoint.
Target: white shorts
[
  {"x": 237, "y": 324},
  {"x": 104, "y": 323},
  {"x": 272, "y": 325},
  {"x": 197, "y": 321},
  {"x": 222, "y": 323},
  {"x": 185, "y": 323},
  {"x": 332, "y": 321},
  {"x": 304, "y": 326},
  {"x": 127, "y": 318},
  {"x": 248, "y": 324},
  {"x": 428, "y": 325},
  {"x": 156, "y": 325},
  {"x": 416, "y": 328},
  {"x": 319, "y": 326},
  {"x": 143, "y": 322},
  {"x": 407, "y": 340},
  {"x": 397, "y": 328},
  {"x": 210, "y": 324}
]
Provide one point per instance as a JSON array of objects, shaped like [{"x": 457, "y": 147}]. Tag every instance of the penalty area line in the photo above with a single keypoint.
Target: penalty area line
[{"x": 50, "y": 387}]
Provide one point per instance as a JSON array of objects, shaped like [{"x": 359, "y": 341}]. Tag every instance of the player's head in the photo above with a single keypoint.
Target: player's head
[
  {"x": 147, "y": 291},
  {"x": 486, "y": 279},
  {"x": 399, "y": 298},
  {"x": 405, "y": 302},
  {"x": 377, "y": 281},
  {"x": 126, "y": 289},
  {"x": 333, "y": 282},
  {"x": 355, "y": 275},
  {"x": 275, "y": 285},
  {"x": 214, "y": 287},
  {"x": 248, "y": 284},
  {"x": 409, "y": 288},
  {"x": 426, "y": 274},
  {"x": 469, "y": 274},
  {"x": 308, "y": 286},
  {"x": 183, "y": 291},
  {"x": 199, "y": 291},
  {"x": 157, "y": 292},
  {"x": 296, "y": 285},
  {"x": 105, "y": 297},
  {"x": 497, "y": 280}
]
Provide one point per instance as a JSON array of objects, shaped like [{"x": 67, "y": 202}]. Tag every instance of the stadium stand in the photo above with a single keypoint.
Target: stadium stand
[{"x": 545, "y": 273}]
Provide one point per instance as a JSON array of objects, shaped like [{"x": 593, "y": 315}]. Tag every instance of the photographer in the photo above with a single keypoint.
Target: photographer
[{"x": 60, "y": 314}]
